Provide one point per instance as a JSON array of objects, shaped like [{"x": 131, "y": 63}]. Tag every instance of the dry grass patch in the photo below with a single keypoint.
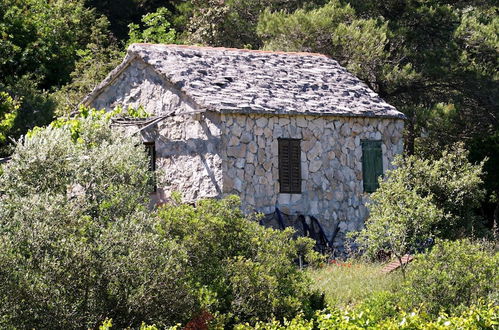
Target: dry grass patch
[{"x": 347, "y": 283}]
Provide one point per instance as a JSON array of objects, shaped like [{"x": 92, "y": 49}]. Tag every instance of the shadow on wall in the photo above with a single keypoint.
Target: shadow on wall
[{"x": 190, "y": 147}]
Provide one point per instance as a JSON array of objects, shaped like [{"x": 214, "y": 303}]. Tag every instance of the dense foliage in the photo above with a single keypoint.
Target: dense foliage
[
  {"x": 481, "y": 316},
  {"x": 79, "y": 244},
  {"x": 40, "y": 42},
  {"x": 156, "y": 29},
  {"x": 241, "y": 269},
  {"x": 8, "y": 113},
  {"x": 423, "y": 199},
  {"x": 76, "y": 241},
  {"x": 453, "y": 276},
  {"x": 434, "y": 60}
]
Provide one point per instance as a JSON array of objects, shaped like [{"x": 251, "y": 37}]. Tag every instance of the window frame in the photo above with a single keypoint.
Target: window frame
[
  {"x": 151, "y": 152},
  {"x": 294, "y": 184}
]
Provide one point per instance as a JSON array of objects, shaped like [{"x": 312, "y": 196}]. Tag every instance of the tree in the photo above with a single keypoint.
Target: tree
[
  {"x": 157, "y": 29},
  {"x": 8, "y": 113},
  {"x": 233, "y": 23},
  {"x": 420, "y": 200},
  {"x": 400, "y": 221},
  {"x": 35, "y": 106},
  {"x": 122, "y": 13},
  {"x": 40, "y": 42},
  {"x": 42, "y": 38},
  {"x": 93, "y": 64},
  {"x": 359, "y": 44},
  {"x": 418, "y": 55}
]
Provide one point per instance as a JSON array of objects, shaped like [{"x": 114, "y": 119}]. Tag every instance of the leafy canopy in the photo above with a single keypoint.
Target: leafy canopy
[
  {"x": 8, "y": 112},
  {"x": 156, "y": 29},
  {"x": 452, "y": 276},
  {"x": 42, "y": 38},
  {"x": 40, "y": 43}
]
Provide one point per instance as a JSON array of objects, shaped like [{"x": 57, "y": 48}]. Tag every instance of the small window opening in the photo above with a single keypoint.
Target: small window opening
[{"x": 151, "y": 152}]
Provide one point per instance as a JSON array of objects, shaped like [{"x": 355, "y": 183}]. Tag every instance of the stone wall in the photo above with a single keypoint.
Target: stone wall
[
  {"x": 139, "y": 85},
  {"x": 212, "y": 154},
  {"x": 187, "y": 146},
  {"x": 332, "y": 187},
  {"x": 188, "y": 156}
]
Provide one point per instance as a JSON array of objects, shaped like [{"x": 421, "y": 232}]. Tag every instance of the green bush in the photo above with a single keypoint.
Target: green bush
[
  {"x": 420, "y": 200},
  {"x": 77, "y": 243},
  {"x": 480, "y": 316},
  {"x": 242, "y": 270},
  {"x": 454, "y": 274}
]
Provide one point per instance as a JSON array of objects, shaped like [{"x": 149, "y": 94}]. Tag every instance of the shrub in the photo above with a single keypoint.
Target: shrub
[
  {"x": 242, "y": 270},
  {"x": 453, "y": 274},
  {"x": 420, "y": 200},
  {"x": 78, "y": 246},
  {"x": 77, "y": 243},
  {"x": 454, "y": 183},
  {"x": 480, "y": 316}
]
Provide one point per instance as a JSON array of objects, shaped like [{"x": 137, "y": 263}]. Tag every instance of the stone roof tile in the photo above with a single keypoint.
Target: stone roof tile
[{"x": 222, "y": 79}]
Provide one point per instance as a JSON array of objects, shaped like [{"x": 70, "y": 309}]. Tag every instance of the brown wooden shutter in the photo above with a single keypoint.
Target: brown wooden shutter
[
  {"x": 289, "y": 166},
  {"x": 372, "y": 164}
]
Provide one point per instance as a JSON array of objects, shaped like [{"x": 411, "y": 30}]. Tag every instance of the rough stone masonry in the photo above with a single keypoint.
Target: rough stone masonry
[{"x": 232, "y": 106}]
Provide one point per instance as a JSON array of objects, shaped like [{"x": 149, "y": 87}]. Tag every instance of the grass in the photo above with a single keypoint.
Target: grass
[{"x": 348, "y": 283}]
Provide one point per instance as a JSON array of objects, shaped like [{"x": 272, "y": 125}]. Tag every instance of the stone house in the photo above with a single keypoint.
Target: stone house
[{"x": 288, "y": 130}]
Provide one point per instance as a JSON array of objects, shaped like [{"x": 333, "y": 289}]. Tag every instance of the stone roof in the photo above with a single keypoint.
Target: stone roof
[{"x": 246, "y": 81}]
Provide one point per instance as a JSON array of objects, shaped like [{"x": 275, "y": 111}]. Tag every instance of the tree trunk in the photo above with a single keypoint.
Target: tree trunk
[{"x": 402, "y": 268}]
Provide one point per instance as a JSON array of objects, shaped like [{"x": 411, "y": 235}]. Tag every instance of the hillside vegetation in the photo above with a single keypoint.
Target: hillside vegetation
[
  {"x": 81, "y": 248},
  {"x": 435, "y": 60}
]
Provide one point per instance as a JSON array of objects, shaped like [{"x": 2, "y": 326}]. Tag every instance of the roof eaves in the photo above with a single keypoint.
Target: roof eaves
[{"x": 250, "y": 110}]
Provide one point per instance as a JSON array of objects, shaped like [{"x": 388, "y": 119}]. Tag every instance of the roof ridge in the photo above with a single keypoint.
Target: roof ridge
[
  {"x": 306, "y": 83},
  {"x": 256, "y": 51}
]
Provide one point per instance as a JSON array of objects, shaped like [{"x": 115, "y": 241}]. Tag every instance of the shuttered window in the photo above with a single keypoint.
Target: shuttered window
[
  {"x": 289, "y": 166},
  {"x": 151, "y": 152},
  {"x": 372, "y": 164}
]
